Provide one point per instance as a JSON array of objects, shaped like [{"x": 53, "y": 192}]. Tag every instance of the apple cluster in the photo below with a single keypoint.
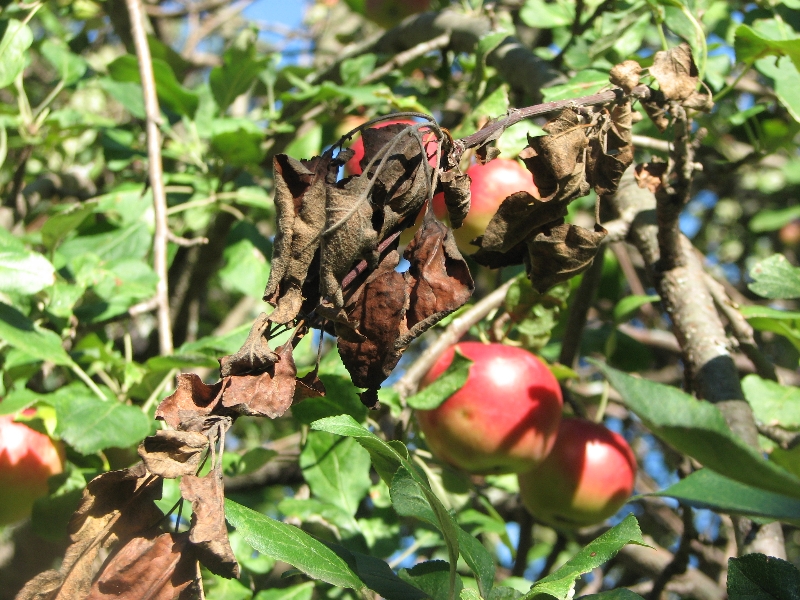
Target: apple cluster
[{"x": 506, "y": 418}]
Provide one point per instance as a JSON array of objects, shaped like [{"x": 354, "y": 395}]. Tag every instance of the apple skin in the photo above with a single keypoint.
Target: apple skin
[
  {"x": 27, "y": 459},
  {"x": 353, "y": 166},
  {"x": 789, "y": 234},
  {"x": 503, "y": 420},
  {"x": 586, "y": 478},
  {"x": 491, "y": 183},
  {"x": 388, "y": 13}
]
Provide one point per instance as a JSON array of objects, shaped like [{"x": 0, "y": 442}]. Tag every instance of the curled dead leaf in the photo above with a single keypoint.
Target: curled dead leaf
[
  {"x": 560, "y": 253},
  {"x": 190, "y": 400},
  {"x": 267, "y": 394},
  {"x": 172, "y": 454},
  {"x": 626, "y": 75},
  {"x": 675, "y": 71},
  {"x": 650, "y": 175},
  {"x": 457, "y": 197}
]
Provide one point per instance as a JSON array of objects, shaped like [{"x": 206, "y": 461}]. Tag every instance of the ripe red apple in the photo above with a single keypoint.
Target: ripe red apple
[
  {"x": 352, "y": 167},
  {"x": 585, "y": 479},
  {"x": 388, "y": 13},
  {"x": 27, "y": 459},
  {"x": 491, "y": 183},
  {"x": 505, "y": 417}
]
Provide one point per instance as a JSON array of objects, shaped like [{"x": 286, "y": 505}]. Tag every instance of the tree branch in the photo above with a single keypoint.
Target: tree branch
[{"x": 155, "y": 172}]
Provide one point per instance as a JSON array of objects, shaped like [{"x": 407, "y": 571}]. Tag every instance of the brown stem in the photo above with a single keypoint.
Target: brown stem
[
  {"x": 680, "y": 561},
  {"x": 525, "y": 544},
  {"x": 155, "y": 172}
]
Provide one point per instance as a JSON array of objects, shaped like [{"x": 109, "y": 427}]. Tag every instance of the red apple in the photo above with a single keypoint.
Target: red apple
[
  {"x": 491, "y": 184},
  {"x": 789, "y": 234},
  {"x": 354, "y": 168},
  {"x": 505, "y": 417},
  {"x": 27, "y": 459},
  {"x": 388, "y": 13},
  {"x": 585, "y": 479}
]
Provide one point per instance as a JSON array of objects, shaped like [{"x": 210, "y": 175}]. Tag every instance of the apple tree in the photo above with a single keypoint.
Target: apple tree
[{"x": 227, "y": 264}]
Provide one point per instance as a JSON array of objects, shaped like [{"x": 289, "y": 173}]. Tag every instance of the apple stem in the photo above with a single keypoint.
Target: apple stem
[{"x": 601, "y": 409}]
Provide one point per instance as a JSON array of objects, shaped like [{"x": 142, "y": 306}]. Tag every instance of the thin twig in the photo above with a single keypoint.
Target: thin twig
[
  {"x": 525, "y": 544},
  {"x": 406, "y": 57},
  {"x": 155, "y": 172},
  {"x": 210, "y": 24},
  {"x": 186, "y": 242},
  {"x": 680, "y": 561}
]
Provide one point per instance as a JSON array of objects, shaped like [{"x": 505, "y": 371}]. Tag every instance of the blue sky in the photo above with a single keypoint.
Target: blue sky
[{"x": 287, "y": 12}]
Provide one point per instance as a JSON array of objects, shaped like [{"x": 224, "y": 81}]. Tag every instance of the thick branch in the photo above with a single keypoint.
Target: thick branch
[{"x": 155, "y": 171}]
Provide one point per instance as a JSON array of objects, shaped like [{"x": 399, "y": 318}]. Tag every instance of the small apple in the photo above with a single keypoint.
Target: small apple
[
  {"x": 388, "y": 13},
  {"x": 789, "y": 234},
  {"x": 353, "y": 166},
  {"x": 27, "y": 459},
  {"x": 504, "y": 419},
  {"x": 491, "y": 183},
  {"x": 585, "y": 479}
]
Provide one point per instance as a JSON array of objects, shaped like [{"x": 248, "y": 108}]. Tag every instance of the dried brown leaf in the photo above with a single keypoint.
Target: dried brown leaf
[
  {"x": 560, "y": 253},
  {"x": 308, "y": 386},
  {"x": 268, "y": 394},
  {"x": 300, "y": 196},
  {"x": 626, "y": 75},
  {"x": 657, "y": 113},
  {"x": 650, "y": 175},
  {"x": 207, "y": 531},
  {"x": 456, "y": 190},
  {"x": 172, "y": 454},
  {"x": 254, "y": 355},
  {"x": 611, "y": 151},
  {"x": 675, "y": 71},
  {"x": 517, "y": 218},
  {"x": 191, "y": 400},
  {"x": 156, "y": 567}
]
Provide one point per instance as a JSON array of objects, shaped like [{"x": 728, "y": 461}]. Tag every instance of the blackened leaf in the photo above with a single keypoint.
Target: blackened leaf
[
  {"x": 379, "y": 308},
  {"x": 254, "y": 355},
  {"x": 156, "y": 567},
  {"x": 300, "y": 207},
  {"x": 268, "y": 394},
  {"x": 171, "y": 453},
  {"x": 192, "y": 399},
  {"x": 208, "y": 532},
  {"x": 560, "y": 253},
  {"x": 438, "y": 279},
  {"x": 517, "y": 218},
  {"x": 457, "y": 197},
  {"x": 675, "y": 71}
]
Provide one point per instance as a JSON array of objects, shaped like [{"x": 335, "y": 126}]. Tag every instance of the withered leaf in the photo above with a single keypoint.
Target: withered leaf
[
  {"x": 191, "y": 399},
  {"x": 300, "y": 196},
  {"x": 254, "y": 355},
  {"x": 308, "y": 386},
  {"x": 564, "y": 145},
  {"x": 172, "y": 454},
  {"x": 650, "y": 175},
  {"x": 498, "y": 260},
  {"x": 156, "y": 567},
  {"x": 657, "y": 113},
  {"x": 115, "y": 506},
  {"x": 675, "y": 71},
  {"x": 626, "y": 75},
  {"x": 517, "y": 218},
  {"x": 207, "y": 531},
  {"x": 379, "y": 308},
  {"x": 560, "y": 253},
  {"x": 457, "y": 197},
  {"x": 438, "y": 280},
  {"x": 611, "y": 150},
  {"x": 268, "y": 394}
]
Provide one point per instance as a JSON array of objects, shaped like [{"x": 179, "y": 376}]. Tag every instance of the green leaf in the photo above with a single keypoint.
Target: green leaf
[
  {"x": 70, "y": 67},
  {"x": 626, "y": 307},
  {"x": 16, "y": 39},
  {"x": 773, "y": 403},
  {"x": 341, "y": 397},
  {"x": 772, "y": 220},
  {"x": 89, "y": 424},
  {"x": 782, "y": 322},
  {"x": 169, "y": 90},
  {"x": 432, "y": 577},
  {"x": 25, "y": 273},
  {"x": 18, "y": 331},
  {"x": 547, "y": 15},
  {"x": 761, "y": 577},
  {"x": 588, "y": 81},
  {"x": 133, "y": 241},
  {"x": 237, "y": 141},
  {"x": 291, "y": 545},
  {"x": 775, "y": 277},
  {"x": 786, "y": 82},
  {"x": 447, "y": 384},
  {"x": 58, "y": 226},
  {"x": 247, "y": 267},
  {"x": 227, "y": 589},
  {"x": 240, "y": 69},
  {"x": 126, "y": 93},
  {"x": 697, "y": 428},
  {"x": 17, "y": 399},
  {"x": 750, "y": 45},
  {"x": 707, "y": 489},
  {"x": 253, "y": 460},
  {"x": 561, "y": 583},
  {"x": 618, "y": 594},
  {"x": 336, "y": 469},
  {"x": 304, "y": 591}
]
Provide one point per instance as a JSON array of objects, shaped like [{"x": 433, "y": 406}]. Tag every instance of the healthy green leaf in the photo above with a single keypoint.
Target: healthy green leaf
[
  {"x": 628, "y": 305},
  {"x": 227, "y": 589},
  {"x": 561, "y": 583},
  {"x": 17, "y": 400},
  {"x": 16, "y": 39},
  {"x": 238, "y": 72},
  {"x": 291, "y": 545},
  {"x": 584, "y": 83},
  {"x": 25, "y": 273},
  {"x": 170, "y": 91},
  {"x": 18, "y": 331},
  {"x": 71, "y": 67},
  {"x": 761, "y": 577},
  {"x": 786, "y": 79},
  {"x": 707, "y": 489},
  {"x": 341, "y": 397},
  {"x": 432, "y": 577},
  {"x": 697, "y": 428},
  {"x": 618, "y": 594},
  {"x": 58, "y": 226},
  {"x": 750, "y": 45},
  {"x": 775, "y": 277},
  {"x": 304, "y": 591},
  {"x": 447, "y": 384},
  {"x": 773, "y": 403},
  {"x": 547, "y": 15}
]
